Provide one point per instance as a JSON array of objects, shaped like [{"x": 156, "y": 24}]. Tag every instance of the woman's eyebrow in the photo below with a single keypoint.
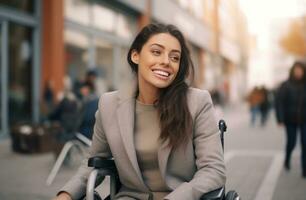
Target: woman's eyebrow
[{"x": 173, "y": 50}]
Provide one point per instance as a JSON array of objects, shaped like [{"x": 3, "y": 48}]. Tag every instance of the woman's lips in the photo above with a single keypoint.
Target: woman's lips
[{"x": 161, "y": 74}]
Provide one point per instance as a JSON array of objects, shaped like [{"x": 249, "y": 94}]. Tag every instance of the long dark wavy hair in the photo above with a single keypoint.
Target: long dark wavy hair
[{"x": 174, "y": 116}]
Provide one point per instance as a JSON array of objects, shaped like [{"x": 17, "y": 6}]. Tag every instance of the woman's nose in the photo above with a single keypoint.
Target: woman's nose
[{"x": 165, "y": 59}]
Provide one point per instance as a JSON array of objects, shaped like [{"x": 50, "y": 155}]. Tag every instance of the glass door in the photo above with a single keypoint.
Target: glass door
[
  {"x": 16, "y": 75},
  {"x": 3, "y": 78},
  {"x": 20, "y": 75},
  {"x": 20, "y": 38}
]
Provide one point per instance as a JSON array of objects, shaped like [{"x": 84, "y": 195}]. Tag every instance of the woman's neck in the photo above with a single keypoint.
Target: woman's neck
[{"x": 147, "y": 94}]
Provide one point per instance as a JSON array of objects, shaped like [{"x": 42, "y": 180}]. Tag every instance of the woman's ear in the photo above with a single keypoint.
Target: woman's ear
[{"x": 135, "y": 57}]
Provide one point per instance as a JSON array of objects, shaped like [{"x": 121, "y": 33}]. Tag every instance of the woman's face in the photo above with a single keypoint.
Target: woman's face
[
  {"x": 298, "y": 72},
  {"x": 158, "y": 61}
]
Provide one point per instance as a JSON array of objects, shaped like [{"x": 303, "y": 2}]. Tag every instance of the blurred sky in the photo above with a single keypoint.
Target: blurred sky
[
  {"x": 260, "y": 12},
  {"x": 265, "y": 19}
]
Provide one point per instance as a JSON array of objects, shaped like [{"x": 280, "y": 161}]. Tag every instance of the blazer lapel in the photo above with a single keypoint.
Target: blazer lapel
[{"x": 126, "y": 116}]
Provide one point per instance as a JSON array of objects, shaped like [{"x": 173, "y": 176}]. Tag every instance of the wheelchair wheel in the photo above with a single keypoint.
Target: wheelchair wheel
[
  {"x": 232, "y": 195},
  {"x": 96, "y": 197}
]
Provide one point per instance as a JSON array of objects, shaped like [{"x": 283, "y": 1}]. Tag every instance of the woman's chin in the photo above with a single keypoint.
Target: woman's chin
[
  {"x": 161, "y": 82},
  {"x": 161, "y": 85}
]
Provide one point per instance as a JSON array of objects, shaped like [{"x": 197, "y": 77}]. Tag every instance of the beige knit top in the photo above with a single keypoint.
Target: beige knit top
[{"x": 147, "y": 133}]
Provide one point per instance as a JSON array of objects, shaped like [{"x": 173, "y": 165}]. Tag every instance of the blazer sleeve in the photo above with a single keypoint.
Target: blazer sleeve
[
  {"x": 210, "y": 173},
  {"x": 76, "y": 186}
]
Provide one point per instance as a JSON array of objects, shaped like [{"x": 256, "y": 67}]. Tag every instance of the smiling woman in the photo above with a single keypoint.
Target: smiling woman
[
  {"x": 161, "y": 59},
  {"x": 158, "y": 64},
  {"x": 162, "y": 134}
]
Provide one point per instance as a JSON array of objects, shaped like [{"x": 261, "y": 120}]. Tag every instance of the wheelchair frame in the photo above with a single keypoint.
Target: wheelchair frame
[{"x": 79, "y": 142}]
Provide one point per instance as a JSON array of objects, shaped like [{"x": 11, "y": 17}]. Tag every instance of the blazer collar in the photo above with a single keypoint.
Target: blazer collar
[
  {"x": 128, "y": 91},
  {"x": 126, "y": 117}
]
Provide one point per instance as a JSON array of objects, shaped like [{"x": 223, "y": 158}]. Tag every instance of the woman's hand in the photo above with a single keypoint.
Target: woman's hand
[{"x": 63, "y": 196}]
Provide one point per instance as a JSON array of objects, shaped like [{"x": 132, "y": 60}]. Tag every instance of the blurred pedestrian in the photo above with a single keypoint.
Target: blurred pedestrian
[
  {"x": 255, "y": 99},
  {"x": 264, "y": 105},
  {"x": 216, "y": 96},
  {"x": 89, "y": 107},
  {"x": 67, "y": 113},
  {"x": 291, "y": 111},
  {"x": 89, "y": 79},
  {"x": 48, "y": 102},
  {"x": 159, "y": 124},
  {"x": 48, "y": 94},
  {"x": 218, "y": 103}
]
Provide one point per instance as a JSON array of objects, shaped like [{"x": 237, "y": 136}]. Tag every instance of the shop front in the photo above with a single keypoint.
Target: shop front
[{"x": 19, "y": 62}]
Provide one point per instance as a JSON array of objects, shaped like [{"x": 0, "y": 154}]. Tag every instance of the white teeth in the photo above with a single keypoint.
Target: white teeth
[{"x": 161, "y": 73}]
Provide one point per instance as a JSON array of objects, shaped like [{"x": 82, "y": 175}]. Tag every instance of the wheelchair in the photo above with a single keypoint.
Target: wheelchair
[
  {"x": 77, "y": 141},
  {"x": 106, "y": 167}
]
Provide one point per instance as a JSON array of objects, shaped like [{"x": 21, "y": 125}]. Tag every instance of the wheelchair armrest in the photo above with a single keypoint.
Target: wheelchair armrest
[
  {"x": 102, "y": 163},
  {"x": 103, "y": 167},
  {"x": 217, "y": 194}
]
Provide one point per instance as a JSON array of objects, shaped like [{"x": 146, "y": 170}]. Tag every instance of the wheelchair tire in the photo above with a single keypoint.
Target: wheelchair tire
[
  {"x": 96, "y": 196},
  {"x": 232, "y": 195}
]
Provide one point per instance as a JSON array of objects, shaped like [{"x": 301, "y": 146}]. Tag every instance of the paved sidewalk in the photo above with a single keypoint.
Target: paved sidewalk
[
  {"x": 24, "y": 176},
  {"x": 255, "y": 157}
]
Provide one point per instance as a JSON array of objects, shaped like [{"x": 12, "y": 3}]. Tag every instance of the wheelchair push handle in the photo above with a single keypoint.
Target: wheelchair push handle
[{"x": 222, "y": 126}]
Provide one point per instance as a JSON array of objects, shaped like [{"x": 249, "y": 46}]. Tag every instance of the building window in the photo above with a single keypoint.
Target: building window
[
  {"x": 195, "y": 7},
  {"x": 20, "y": 5},
  {"x": 78, "y": 10},
  {"x": 100, "y": 17},
  {"x": 76, "y": 46},
  {"x": 104, "y": 64},
  {"x": 20, "y": 73}
]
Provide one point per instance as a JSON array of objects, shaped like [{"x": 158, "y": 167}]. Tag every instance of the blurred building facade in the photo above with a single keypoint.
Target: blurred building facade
[
  {"x": 279, "y": 40},
  {"x": 231, "y": 49},
  {"x": 273, "y": 55},
  {"x": 44, "y": 41}
]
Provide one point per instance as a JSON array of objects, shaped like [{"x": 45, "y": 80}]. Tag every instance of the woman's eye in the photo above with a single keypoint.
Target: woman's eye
[
  {"x": 156, "y": 52},
  {"x": 175, "y": 58}
]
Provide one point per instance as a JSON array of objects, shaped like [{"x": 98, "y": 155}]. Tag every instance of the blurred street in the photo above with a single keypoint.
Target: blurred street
[
  {"x": 58, "y": 57},
  {"x": 254, "y": 159}
]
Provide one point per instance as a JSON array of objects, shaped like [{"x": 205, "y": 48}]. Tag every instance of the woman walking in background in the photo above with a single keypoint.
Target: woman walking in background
[{"x": 291, "y": 111}]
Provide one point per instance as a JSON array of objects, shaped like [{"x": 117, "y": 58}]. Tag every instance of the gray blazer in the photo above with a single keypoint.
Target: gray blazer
[{"x": 188, "y": 172}]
